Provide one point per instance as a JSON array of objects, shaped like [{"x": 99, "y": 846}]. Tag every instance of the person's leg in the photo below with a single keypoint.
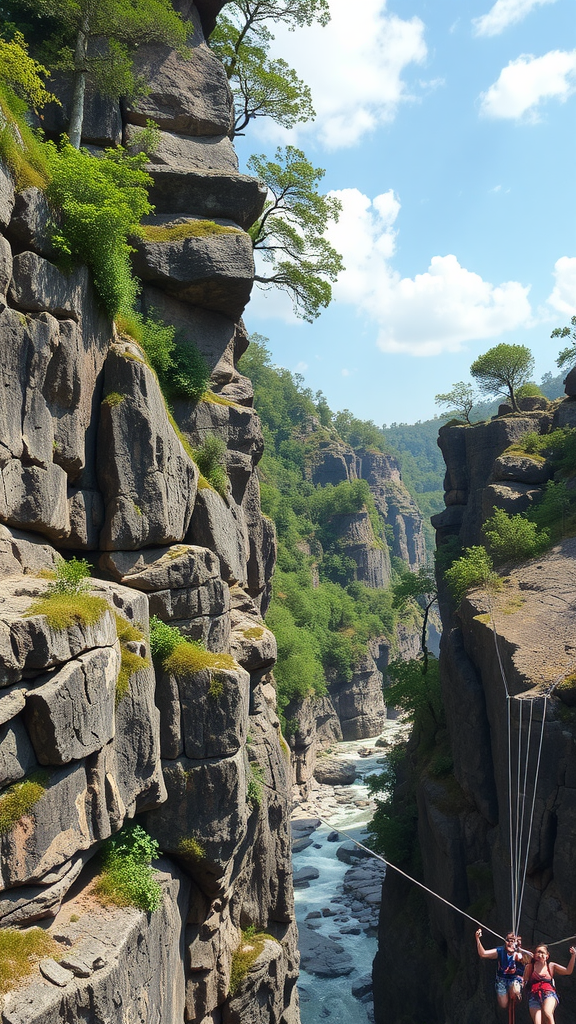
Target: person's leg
[
  {"x": 548, "y": 1007},
  {"x": 536, "y": 1015},
  {"x": 502, "y": 1000}
]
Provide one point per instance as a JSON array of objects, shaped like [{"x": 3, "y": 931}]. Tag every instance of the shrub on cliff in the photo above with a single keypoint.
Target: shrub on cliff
[
  {"x": 514, "y": 538},
  {"x": 127, "y": 879},
  {"x": 473, "y": 569}
]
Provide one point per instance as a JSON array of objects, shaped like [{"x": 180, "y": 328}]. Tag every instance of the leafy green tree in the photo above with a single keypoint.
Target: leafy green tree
[
  {"x": 290, "y": 233},
  {"x": 473, "y": 569},
  {"x": 116, "y": 28},
  {"x": 22, "y": 74},
  {"x": 568, "y": 355},
  {"x": 418, "y": 586},
  {"x": 263, "y": 86},
  {"x": 460, "y": 400},
  {"x": 514, "y": 538},
  {"x": 502, "y": 370}
]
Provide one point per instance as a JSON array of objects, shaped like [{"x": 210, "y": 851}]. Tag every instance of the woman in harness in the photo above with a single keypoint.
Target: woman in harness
[
  {"x": 539, "y": 980},
  {"x": 510, "y": 971}
]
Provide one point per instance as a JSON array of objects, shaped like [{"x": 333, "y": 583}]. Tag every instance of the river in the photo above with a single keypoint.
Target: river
[{"x": 337, "y": 912}]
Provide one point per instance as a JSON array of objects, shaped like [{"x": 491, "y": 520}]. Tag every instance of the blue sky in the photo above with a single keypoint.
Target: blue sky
[{"x": 446, "y": 128}]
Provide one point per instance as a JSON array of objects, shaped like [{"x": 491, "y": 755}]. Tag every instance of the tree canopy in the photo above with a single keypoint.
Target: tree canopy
[
  {"x": 116, "y": 28},
  {"x": 568, "y": 355},
  {"x": 502, "y": 370},
  {"x": 290, "y": 233}
]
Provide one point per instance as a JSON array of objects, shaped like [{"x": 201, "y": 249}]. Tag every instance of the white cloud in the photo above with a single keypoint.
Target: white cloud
[
  {"x": 345, "y": 372},
  {"x": 563, "y": 296},
  {"x": 503, "y": 14},
  {"x": 436, "y": 311},
  {"x": 527, "y": 81},
  {"x": 360, "y": 85},
  {"x": 300, "y": 367}
]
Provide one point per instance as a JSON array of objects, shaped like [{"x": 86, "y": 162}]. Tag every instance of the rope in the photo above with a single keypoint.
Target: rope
[
  {"x": 537, "y": 773},
  {"x": 405, "y": 875}
]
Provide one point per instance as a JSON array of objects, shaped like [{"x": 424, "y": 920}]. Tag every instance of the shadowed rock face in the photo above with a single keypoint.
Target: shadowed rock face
[
  {"x": 463, "y": 823},
  {"x": 91, "y": 461}
]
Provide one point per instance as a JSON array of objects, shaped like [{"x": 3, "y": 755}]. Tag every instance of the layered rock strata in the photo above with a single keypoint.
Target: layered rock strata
[{"x": 92, "y": 463}]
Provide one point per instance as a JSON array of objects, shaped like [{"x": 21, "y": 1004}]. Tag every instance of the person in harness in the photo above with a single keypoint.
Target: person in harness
[
  {"x": 539, "y": 980},
  {"x": 510, "y": 970}
]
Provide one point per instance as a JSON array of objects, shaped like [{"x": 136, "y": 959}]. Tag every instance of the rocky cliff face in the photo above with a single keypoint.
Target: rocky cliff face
[
  {"x": 463, "y": 819},
  {"x": 91, "y": 463}
]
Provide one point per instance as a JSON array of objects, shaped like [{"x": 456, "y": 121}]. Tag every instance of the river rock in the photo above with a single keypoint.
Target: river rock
[
  {"x": 303, "y": 876},
  {"x": 332, "y": 771},
  {"x": 350, "y": 853},
  {"x": 322, "y": 956}
]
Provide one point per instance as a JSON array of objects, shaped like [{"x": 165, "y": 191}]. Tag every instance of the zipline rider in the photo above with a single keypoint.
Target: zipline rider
[{"x": 510, "y": 971}]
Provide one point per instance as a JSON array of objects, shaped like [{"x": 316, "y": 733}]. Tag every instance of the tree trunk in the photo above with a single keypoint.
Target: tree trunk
[{"x": 80, "y": 70}]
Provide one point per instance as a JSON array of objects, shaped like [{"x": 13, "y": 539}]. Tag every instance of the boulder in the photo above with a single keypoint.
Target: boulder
[
  {"x": 71, "y": 714},
  {"x": 322, "y": 956},
  {"x": 208, "y": 194},
  {"x": 7, "y": 196},
  {"x": 349, "y": 853},
  {"x": 191, "y": 153},
  {"x": 147, "y": 480},
  {"x": 570, "y": 383},
  {"x": 35, "y": 497},
  {"x": 102, "y": 122},
  {"x": 513, "y": 498},
  {"x": 22, "y": 553},
  {"x": 215, "y": 271},
  {"x": 215, "y": 524},
  {"x": 16, "y": 754},
  {"x": 214, "y": 707},
  {"x": 212, "y": 599},
  {"x": 158, "y": 569},
  {"x": 32, "y": 222},
  {"x": 332, "y": 771},
  {"x": 28, "y": 903},
  {"x": 522, "y": 468},
  {"x": 86, "y": 511},
  {"x": 5, "y": 265},
  {"x": 303, "y": 876},
  {"x": 186, "y": 94},
  {"x": 38, "y": 286},
  {"x": 251, "y": 643}
]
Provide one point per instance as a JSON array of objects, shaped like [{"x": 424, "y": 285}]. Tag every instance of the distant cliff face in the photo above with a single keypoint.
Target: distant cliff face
[
  {"x": 91, "y": 463},
  {"x": 463, "y": 821}
]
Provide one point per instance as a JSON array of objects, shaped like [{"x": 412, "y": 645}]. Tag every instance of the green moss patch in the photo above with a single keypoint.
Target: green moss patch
[
  {"x": 19, "y": 952},
  {"x": 191, "y": 229},
  {"x": 113, "y": 399},
  {"x": 127, "y": 879},
  {"x": 188, "y": 658},
  {"x": 191, "y": 848},
  {"x": 254, "y": 633},
  {"x": 210, "y": 396},
  {"x": 130, "y": 663},
  {"x": 246, "y": 954},
  {"x": 65, "y": 610},
  {"x": 19, "y": 800}
]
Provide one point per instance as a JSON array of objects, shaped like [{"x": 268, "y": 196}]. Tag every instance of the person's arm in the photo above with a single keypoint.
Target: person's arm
[
  {"x": 527, "y": 973},
  {"x": 486, "y": 954},
  {"x": 558, "y": 969}
]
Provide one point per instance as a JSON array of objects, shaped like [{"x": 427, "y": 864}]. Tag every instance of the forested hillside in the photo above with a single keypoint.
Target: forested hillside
[{"x": 322, "y": 614}]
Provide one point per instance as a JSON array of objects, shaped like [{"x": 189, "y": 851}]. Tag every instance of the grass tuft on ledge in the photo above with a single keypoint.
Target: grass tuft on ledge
[
  {"x": 189, "y": 229},
  {"x": 245, "y": 955},
  {"x": 188, "y": 658},
  {"x": 65, "y": 610},
  {"x": 19, "y": 800},
  {"x": 19, "y": 951}
]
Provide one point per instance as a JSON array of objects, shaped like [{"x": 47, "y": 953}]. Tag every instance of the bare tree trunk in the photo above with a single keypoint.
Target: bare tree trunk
[{"x": 80, "y": 69}]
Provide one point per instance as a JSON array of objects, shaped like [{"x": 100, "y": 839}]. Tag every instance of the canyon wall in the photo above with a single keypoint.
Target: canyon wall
[
  {"x": 463, "y": 813},
  {"x": 92, "y": 463}
]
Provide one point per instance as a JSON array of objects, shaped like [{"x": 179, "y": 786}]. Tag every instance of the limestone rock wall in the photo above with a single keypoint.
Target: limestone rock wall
[
  {"x": 463, "y": 820},
  {"x": 91, "y": 463}
]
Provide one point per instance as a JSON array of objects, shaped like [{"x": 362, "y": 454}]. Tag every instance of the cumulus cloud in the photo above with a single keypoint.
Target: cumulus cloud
[
  {"x": 361, "y": 85},
  {"x": 527, "y": 82},
  {"x": 433, "y": 312},
  {"x": 505, "y": 13},
  {"x": 563, "y": 296}
]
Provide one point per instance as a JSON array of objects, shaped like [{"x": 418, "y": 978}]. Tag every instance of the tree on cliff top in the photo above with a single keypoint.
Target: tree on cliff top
[
  {"x": 290, "y": 233},
  {"x": 502, "y": 370},
  {"x": 460, "y": 400},
  {"x": 262, "y": 86},
  {"x": 119, "y": 26}
]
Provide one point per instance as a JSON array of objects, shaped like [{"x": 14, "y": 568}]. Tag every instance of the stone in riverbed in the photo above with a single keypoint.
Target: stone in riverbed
[
  {"x": 331, "y": 771},
  {"x": 322, "y": 956},
  {"x": 304, "y": 876}
]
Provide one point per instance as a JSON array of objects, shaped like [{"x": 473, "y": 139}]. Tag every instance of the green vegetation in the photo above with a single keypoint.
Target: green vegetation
[
  {"x": 127, "y": 879},
  {"x": 180, "y": 656},
  {"x": 130, "y": 661},
  {"x": 112, "y": 399},
  {"x": 188, "y": 229},
  {"x": 210, "y": 458},
  {"x": 460, "y": 400},
  {"x": 192, "y": 848},
  {"x": 102, "y": 202},
  {"x": 473, "y": 569},
  {"x": 514, "y": 538},
  {"x": 21, "y": 86},
  {"x": 290, "y": 233},
  {"x": 65, "y": 610},
  {"x": 19, "y": 799},
  {"x": 255, "y": 787},
  {"x": 245, "y": 955},
  {"x": 66, "y": 28},
  {"x": 502, "y": 370},
  {"x": 19, "y": 952},
  {"x": 567, "y": 357},
  {"x": 321, "y": 615},
  {"x": 69, "y": 577}
]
